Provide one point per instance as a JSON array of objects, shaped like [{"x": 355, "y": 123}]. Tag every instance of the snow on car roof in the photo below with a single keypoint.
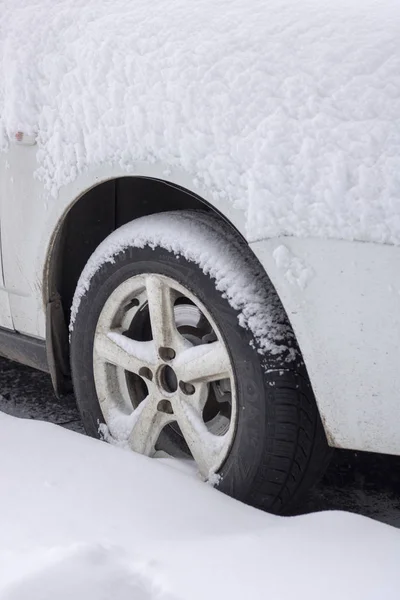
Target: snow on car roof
[{"x": 290, "y": 109}]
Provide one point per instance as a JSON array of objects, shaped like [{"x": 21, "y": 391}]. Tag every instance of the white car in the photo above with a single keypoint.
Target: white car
[{"x": 200, "y": 227}]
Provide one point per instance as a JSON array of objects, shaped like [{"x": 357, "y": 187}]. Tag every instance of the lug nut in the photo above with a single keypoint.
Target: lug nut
[
  {"x": 166, "y": 353},
  {"x": 145, "y": 373},
  {"x": 187, "y": 388},
  {"x": 165, "y": 406}
]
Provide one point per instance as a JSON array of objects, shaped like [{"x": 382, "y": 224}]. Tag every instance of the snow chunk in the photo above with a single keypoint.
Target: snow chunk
[
  {"x": 296, "y": 271},
  {"x": 202, "y": 239},
  {"x": 289, "y": 109},
  {"x": 145, "y": 351},
  {"x": 119, "y": 426}
]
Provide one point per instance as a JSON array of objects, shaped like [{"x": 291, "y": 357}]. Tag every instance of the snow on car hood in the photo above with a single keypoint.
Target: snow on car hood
[{"x": 291, "y": 109}]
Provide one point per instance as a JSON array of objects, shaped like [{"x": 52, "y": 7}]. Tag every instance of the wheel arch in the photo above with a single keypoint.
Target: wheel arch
[{"x": 87, "y": 221}]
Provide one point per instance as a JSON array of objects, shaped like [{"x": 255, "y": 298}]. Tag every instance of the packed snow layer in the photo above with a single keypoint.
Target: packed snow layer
[
  {"x": 202, "y": 240},
  {"x": 295, "y": 269},
  {"x": 144, "y": 351},
  {"x": 81, "y": 519},
  {"x": 290, "y": 109}
]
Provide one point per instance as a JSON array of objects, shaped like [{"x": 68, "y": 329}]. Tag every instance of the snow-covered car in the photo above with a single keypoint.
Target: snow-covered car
[{"x": 200, "y": 226}]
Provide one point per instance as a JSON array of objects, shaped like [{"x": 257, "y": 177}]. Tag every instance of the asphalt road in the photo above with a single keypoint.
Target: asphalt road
[{"x": 360, "y": 482}]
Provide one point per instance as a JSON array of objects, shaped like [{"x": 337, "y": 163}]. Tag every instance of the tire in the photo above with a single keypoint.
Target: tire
[{"x": 277, "y": 446}]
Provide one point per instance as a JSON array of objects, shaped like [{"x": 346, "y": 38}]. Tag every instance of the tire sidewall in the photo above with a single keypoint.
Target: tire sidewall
[{"x": 239, "y": 469}]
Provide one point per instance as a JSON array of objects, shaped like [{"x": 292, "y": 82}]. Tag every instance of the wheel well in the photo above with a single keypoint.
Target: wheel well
[{"x": 93, "y": 216}]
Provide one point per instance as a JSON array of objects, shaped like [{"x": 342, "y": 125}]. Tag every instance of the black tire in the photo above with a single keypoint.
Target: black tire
[{"x": 279, "y": 447}]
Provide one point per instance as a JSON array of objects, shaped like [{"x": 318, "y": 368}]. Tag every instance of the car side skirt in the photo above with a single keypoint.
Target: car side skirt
[{"x": 24, "y": 349}]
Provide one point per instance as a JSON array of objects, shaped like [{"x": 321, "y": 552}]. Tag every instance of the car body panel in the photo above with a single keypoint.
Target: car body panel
[
  {"x": 341, "y": 297},
  {"x": 344, "y": 314},
  {"x": 23, "y": 209},
  {"x": 6, "y": 181}
]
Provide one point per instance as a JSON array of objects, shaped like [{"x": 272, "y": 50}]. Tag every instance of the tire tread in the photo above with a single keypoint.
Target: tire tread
[{"x": 300, "y": 440}]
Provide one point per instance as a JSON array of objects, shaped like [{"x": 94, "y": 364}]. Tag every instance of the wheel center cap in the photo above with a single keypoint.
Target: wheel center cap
[{"x": 167, "y": 380}]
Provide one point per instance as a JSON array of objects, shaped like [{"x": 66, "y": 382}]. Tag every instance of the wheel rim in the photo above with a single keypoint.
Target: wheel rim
[{"x": 161, "y": 367}]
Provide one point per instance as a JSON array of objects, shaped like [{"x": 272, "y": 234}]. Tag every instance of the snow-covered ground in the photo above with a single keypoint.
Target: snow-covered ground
[
  {"x": 81, "y": 519},
  {"x": 360, "y": 482}
]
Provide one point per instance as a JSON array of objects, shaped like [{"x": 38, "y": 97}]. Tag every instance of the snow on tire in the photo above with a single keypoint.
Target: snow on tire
[{"x": 180, "y": 346}]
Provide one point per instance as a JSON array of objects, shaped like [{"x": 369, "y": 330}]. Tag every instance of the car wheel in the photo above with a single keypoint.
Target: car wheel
[{"x": 180, "y": 347}]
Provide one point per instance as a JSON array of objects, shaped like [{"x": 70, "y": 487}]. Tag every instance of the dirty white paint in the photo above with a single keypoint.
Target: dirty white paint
[{"x": 346, "y": 323}]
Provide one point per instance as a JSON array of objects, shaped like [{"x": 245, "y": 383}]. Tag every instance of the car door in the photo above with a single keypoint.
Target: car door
[
  {"x": 20, "y": 213},
  {"x": 5, "y": 178}
]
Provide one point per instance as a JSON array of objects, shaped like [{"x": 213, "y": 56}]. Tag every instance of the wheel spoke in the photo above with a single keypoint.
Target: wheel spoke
[
  {"x": 208, "y": 362},
  {"x": 125, "y": 401},
  {"x": 205, "y": 447},
  {"x": 148, "y": 423},
  {"x": 116, "y": 349},
  {"x": 161, "y": 310},
  {"x": 199, "y": 398}
]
